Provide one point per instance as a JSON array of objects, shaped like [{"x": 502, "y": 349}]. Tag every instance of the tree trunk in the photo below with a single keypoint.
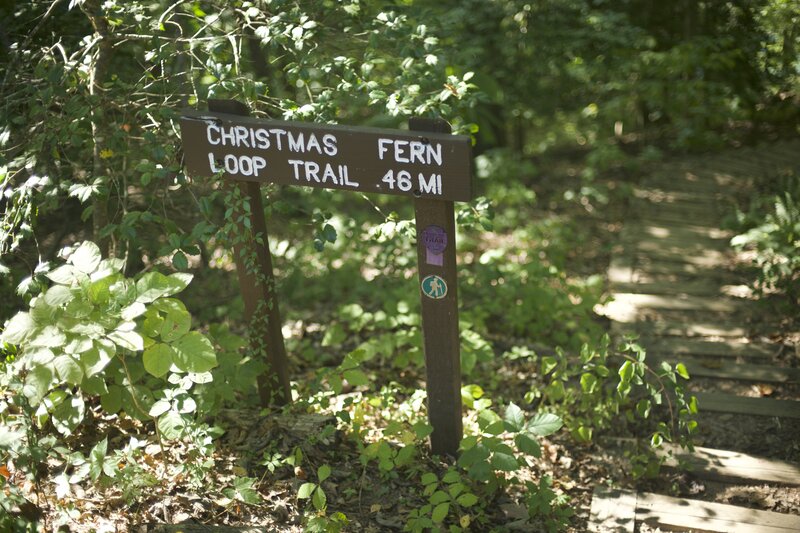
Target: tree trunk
[{"x": 97, "y": 77}]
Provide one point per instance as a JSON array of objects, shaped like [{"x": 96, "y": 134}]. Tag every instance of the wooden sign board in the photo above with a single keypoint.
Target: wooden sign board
[
  {"x": 426, "y": 163},
  {"x": 371, "y": 160}
]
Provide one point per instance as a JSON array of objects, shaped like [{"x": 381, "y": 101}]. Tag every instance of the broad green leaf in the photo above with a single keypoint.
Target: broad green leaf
[
  {"x": 18, "y": 329},
  {"x": 680, "y": 368},
  {"x": 130, "y": 340},
  {"x": 514, "y": 418},
  {"x": 488, "y": 418},
  {"x": 455, "y": 489},
  {"x": 132, "y": 311},
  {"x": 78, "y": 345},
  {"x": 186, "y": 404},
  {"x": 176, "y": 324},
  {"x": 96, "y": 459},
  {"x": 152, "y": 323},
  {"x": 48, "y": 337},
  {"x": 355, "y": 377},
  {"x": 154, "y": 285},
  {"x": 9, "y": 438},
  {"x": 451, "y": 477},
  {"x": 43, "y": 313},
  {"x": 438, "y": 497},
  {"x": 319, "y": 499},
  {"x": 588, "y": 382},
  {"x": 65, "y": 275},
  {"x": 527, "y": 444},
  {"x": 87, "y": 257},
  {"x": 473, "y": 455},
  {"x": 583, "y": 434},
  {"x": 305, "y": 490},
  {"x": 428, "y": 478},
  {"x": 323, "y": 472},
  {"x": 548, "y": 364},
  {"x": 181, "y": 279},
  {"x": 656, "y": 440},
  {"x": 194, "y": 353},
  {"x": 68, "y": 369},
  {"x": 122, "y": 292},
  {"x": 37, "y": 383},
  {"x": 58, "y": 295},
  {"x": 95, "y": 360},
  {"x": 244, "y": 491},
  {"x": 440, "y": 512},
  {"x": 505, "y": 462},
  {"x": 68, "y": 415},
  {"x": 544, "y": 424},
  {"x": 100, "y": 291},
  {"x": 112, "y": 401},
  {"x": 467, "y": 500},
  {"x": 158, "y": 359},
  {"x": 626, "y": 371},
  {"x": 96, "y": 386},
  {"x": 159, "y": 408},
  {"x": 179, "y": 260},
  {"x": 39, "y": 356},
  {"x": 643, "y": 408},
  {"x": 171, "y": 425}
]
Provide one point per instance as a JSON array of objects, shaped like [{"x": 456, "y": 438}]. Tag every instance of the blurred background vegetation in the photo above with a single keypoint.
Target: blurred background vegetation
[{"x": 568, "y": 102}]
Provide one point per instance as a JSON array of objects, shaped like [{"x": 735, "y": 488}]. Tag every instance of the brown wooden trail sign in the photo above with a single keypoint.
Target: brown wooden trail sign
[
  {"x": 427, "y": 164},
  {"x": 423, "y": 165}
]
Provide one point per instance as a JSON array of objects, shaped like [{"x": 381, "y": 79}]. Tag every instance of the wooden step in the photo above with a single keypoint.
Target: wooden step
[
  {"x": 654, "y": 194},
  {"x": 692, "y": 329},
  {"x": 679, "y": 347},
  {"x": 707, "y": 259},
  {"x": 696, "y": 287},
  {"x": 611, "y": 513},
  {"x": 730, "y": 403},
  {"x": 720, "y": 465},
  {"x": 684, "y": 303},
  {"x": 717, "y": 369},
  {"x": 727, "y": 465},
  {"x": 644, "y": 243},
  {"x": 668, "y": 512},
  {"x": 683, "y": 233},
  {"x": 683, "y": 266}
]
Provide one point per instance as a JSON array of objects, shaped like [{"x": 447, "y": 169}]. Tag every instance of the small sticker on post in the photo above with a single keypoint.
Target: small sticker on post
[
  {"x": 434, "y": 238},
  {"x": 434, "y": 287}
]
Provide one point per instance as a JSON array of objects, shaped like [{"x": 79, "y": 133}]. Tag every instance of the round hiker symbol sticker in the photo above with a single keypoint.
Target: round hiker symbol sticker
[{"x": 434, "y": 287}]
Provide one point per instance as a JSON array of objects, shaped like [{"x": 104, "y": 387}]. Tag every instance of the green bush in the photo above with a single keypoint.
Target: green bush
[{"x": 772, "y": 234}]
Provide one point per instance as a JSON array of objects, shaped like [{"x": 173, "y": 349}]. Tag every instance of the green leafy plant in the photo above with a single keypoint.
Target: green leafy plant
[
  {"x": 446, "y": 496},
  {"x": 590, "y": 394},
  {"x": 98, "y": 334},
  {"x": 773, "y": 236}
]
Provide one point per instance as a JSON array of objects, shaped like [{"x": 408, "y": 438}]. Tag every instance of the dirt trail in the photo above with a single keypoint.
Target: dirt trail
[{"x": 678, "y": 284}]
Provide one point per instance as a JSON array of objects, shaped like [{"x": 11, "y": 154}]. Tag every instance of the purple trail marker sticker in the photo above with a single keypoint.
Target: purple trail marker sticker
[{"x": 435, "y": 240}]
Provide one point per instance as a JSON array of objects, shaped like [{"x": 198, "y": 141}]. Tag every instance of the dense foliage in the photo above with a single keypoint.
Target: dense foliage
[{"x": 90, "y": 153}]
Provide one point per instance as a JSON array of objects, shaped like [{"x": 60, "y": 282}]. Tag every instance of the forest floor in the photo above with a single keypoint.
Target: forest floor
[{"x": 374, "y": 501}]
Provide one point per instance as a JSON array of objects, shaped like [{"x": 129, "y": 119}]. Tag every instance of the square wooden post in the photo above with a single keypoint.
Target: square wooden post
[
  {"x": 436, "y": 255},
  {"x": 260, "y": 301}
]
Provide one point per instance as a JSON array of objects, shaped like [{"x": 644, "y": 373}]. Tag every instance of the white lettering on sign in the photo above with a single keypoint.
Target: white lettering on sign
[
  {"x": 410, "y": 151},
  {"x": 312, "y": 171},
  {"x": 260, "y": 138},
  {"x": 403, "y": 181},
  {"x": 319, "y": 146},
  {"x": 244, "y": 165}
]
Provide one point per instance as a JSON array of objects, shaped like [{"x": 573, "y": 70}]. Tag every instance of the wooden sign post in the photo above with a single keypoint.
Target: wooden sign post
[{"x": 427, "y": 164}]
